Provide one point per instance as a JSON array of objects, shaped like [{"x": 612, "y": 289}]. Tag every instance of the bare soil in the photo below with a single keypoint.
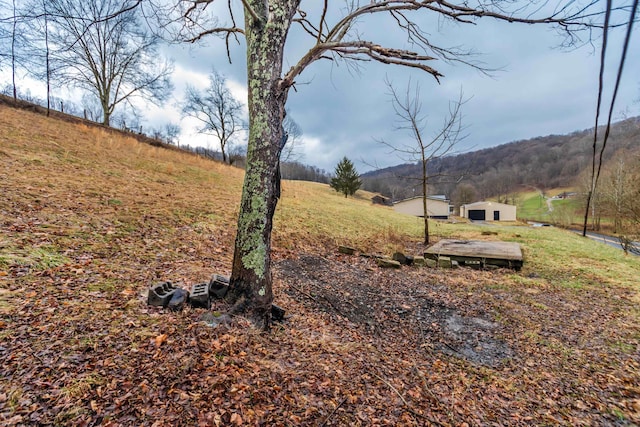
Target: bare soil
[{"x": 395, "y": 306}]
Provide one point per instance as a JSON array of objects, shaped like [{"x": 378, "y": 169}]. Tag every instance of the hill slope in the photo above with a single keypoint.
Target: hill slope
[
  {"x": 89, "y": 219},
  {"x": 546, "y": 162}
]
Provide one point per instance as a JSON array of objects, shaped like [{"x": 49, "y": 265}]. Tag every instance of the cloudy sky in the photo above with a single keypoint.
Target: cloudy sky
[{"x": 536, "y": 89}]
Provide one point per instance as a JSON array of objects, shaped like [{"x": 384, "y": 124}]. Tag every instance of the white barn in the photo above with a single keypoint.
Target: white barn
[
  {"x": 488, "y": 211},
  {"x": 438, "y": 207}
]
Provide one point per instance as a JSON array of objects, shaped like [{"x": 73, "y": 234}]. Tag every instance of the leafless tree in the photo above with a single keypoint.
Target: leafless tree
[
  {"x": 332, "y": 35},
  {"x": 598, "y": 149},
  {"x": 596, "y": 202},
  {"x": 219, "y": 113},
  {"x": 14, "y": 35},
  {"x": 172, "y": 134},
  {"x": 102, "y": 47},
  {"x": 36, "y": 16},
  {"x": 47, "y": 53},
  {"x": 293, "y": 131},
  {"x": 5, "y": 33},
  {"x": 463, "y": 194},
  {"x": 619, "y": 183},
  {"x": 423, "y": 148},
  {"x": 12, "y": 40}
]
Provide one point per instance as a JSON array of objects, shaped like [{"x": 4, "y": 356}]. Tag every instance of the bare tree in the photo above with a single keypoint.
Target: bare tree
[
  {"x": 463, "y": 194},
  {"x": 293, "y": 131},
  {"x": 619, "y": 183},
  {"x": 14, "y": 35},
  {"x": 36, "y": 16},
  {"x": 596, "y": 203},
  {"x": 12, "y": 40},
  {"x": 91, "y": 108},
  {"x": 102, "y": 48},
  {"x": 5, "y": 33},
  {"x": 47, "y": 53},
  {"x": 219, "y": 113},
  {"x": 172, "y": 134},
  {"x": 332, "y": 34},
  {"x": 424, "y": 149},
  {"x": 598, "y": 150}
]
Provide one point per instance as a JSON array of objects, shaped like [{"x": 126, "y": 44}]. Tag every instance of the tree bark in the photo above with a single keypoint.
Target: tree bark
[
  {"x": 424, "y": 199},
  {"x": 250, "y": 289}
]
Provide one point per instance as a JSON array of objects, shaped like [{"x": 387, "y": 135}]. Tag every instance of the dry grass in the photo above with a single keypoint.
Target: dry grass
[
  {"x": 83, "y": 180},
  {"x": 311, "y": 212}
]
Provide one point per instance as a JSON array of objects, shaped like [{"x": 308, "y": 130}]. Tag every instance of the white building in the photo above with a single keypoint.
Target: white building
[{"x": 438, "y": 207}]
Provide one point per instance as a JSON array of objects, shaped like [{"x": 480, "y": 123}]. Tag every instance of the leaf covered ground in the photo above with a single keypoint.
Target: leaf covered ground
[{"x": 89, "y": 219}]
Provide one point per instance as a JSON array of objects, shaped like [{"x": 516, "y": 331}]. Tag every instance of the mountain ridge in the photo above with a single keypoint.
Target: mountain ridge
[{"x": 543, "y": 162}]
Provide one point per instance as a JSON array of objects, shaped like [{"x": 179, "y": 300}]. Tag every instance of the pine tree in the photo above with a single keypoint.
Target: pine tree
[{"x": 347, "y": 181}]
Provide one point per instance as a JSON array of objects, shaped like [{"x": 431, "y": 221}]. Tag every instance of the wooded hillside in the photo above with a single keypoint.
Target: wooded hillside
[{"x": 543, "y": 162}]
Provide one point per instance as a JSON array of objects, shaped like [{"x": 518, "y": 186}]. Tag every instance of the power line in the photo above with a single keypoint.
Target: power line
[{"x": 595, "y": 174}]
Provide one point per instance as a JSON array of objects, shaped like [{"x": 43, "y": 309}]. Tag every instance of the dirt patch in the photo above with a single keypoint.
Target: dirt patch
[{"x": 394, "y": 305}]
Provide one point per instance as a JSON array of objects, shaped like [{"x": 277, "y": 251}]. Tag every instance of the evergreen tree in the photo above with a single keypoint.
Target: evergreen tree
[{"x": 347, "y": 181}]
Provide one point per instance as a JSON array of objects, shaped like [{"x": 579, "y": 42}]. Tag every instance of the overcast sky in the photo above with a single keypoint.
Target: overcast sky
[{"x": 537, "y": 89}]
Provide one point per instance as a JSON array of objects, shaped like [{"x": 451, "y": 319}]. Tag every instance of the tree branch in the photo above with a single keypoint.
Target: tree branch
[
  {"x": 251, "y": 12},
  {"x": 227, "y": 31}
]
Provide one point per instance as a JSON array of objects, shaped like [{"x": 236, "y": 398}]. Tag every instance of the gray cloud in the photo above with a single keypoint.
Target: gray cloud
[{"x": 536, "y": 88}]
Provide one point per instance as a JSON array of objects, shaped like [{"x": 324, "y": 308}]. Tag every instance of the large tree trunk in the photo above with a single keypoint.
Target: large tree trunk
[
  {"x": 106, "y": 113},
  {"x": 251, "y": 282}
]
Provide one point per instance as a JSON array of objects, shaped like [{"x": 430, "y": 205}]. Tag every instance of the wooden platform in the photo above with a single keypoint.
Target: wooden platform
[{"x": 477, "y": 253}]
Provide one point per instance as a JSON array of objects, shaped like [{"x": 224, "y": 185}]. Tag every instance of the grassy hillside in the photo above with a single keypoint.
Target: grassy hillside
[
  {"x": 90, "y": 218},
  {"x": 532, "y": 206}
]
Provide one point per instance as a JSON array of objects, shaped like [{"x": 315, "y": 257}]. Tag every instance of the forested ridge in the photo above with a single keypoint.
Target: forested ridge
[{"x": 543, "y": 162}]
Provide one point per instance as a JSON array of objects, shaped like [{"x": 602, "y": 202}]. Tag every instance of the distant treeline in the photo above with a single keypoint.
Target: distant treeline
[{"x": 295, "y": 171}]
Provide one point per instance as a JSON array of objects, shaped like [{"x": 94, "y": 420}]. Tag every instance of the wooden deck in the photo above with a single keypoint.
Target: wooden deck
[{"x": 477, "y": 253}]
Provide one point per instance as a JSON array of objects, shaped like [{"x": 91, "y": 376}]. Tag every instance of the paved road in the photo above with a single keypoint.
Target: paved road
[{"x": 608, "y": 240}]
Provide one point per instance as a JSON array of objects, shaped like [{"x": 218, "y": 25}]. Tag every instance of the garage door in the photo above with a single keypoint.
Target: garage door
[{"x": 477, "y": 215}]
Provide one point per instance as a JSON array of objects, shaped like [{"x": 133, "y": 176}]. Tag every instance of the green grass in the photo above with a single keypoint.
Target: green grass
[
  {"x": 104, "y": 285},
  {"x": 566, "y": 212},
  {"x": 38, "y": 258},
  {"x": 533, "y": 207},
  {"x": 571, "y": 260}
]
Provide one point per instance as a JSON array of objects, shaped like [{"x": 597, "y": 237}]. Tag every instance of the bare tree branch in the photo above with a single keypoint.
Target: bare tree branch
[
  {"x": 227, "y": 31},
  {"x": 115, "y": 59},
  {"x": 219, "y": 113},
  {"x": 408, "y": 110}
]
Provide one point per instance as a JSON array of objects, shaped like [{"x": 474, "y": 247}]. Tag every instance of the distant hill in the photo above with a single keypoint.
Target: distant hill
[{"x": 542, "y": 162}]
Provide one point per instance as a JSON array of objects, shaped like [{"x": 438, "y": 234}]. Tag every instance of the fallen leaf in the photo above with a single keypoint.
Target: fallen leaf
[
  {"x": 160, "y": 339},
  {"x": 236, "y": 419}
]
